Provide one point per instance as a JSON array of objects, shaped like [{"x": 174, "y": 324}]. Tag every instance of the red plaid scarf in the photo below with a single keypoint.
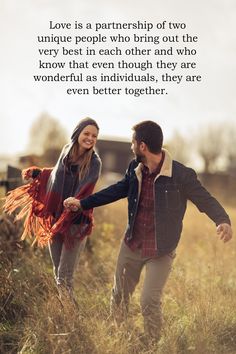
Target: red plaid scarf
[{"x": 39, "y": 201}]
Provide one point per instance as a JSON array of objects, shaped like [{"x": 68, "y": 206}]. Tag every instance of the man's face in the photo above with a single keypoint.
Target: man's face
[{"x": 135, "y": 147}]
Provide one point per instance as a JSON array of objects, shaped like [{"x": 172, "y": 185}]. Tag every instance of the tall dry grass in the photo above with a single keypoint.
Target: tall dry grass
[{"x": 199, "y": 301}]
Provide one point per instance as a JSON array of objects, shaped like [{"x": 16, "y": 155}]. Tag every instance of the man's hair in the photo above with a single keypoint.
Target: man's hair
[{"x": 151, "y": 134}]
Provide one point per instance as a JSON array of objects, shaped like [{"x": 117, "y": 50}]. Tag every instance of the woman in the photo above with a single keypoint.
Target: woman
[{"x": 75, "y": 174}]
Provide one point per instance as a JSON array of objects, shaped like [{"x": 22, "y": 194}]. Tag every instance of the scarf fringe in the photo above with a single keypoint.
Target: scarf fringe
[
  {"x": 39, "y": 225},
  {"x": 35, "y": 225}
]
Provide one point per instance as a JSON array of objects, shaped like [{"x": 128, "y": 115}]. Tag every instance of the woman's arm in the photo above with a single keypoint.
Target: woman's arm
[{"x": 31, "y": 172}]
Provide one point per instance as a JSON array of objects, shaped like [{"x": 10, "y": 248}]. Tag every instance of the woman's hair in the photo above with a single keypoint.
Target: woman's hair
[
  {"x": 84, "y": 162},
  {"x": 85, "y": 159}
]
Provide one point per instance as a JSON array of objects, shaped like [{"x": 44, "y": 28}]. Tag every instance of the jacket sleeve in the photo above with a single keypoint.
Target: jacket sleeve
[
  {"x": 203, "y": 200},
  {"x": 108, "y": 195}
]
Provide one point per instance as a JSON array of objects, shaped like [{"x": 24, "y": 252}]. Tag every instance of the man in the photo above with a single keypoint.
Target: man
[{"x": 157, "y": 188}]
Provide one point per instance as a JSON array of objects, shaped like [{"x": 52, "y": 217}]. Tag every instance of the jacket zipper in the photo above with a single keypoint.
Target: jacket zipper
[
  {"x": 135, "y": 213},
  {"x": 155, "y": 223},
  {"x": 166, "y": 197},
  {"x": 136, "y": 208}
]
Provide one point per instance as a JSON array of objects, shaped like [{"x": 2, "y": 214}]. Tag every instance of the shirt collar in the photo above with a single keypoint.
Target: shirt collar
[
  {"x": 166, "y": 168},
  {"x": 145, "y": 169}
]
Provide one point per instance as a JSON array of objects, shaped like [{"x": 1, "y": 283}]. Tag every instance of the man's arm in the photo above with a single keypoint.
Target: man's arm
[
  {"x": 107, "y": 195},
  {"x": 206, "y": 203}
]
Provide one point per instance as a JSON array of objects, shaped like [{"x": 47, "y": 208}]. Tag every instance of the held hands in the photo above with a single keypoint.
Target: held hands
[
  {"x": 225, "y": 232},
  {"x": 72, "y": 204}
]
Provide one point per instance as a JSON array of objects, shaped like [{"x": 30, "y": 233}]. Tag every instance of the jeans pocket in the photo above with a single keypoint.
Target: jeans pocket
[{"x": 172, "y": 254}]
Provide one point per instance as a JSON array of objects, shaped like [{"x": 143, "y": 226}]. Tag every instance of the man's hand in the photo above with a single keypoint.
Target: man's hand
[
  {"x": 72, "y": 204},
  {"x": 225, "y": 232}
]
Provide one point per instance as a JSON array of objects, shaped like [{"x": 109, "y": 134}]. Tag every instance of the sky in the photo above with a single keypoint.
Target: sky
[{"x": 186, "y": 108}]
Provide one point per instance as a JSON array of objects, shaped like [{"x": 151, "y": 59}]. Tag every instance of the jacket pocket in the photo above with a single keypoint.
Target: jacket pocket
[{"x": 172, "y": 198}]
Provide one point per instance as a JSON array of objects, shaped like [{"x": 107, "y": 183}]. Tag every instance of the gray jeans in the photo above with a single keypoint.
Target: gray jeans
[
  {"x": 65, "y": 260},
  {"x": 127, "y": 274}
]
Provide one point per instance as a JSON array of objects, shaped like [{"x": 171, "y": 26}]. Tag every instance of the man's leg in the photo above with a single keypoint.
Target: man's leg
[
  {"x": 127, "y": 274},
  {"x": 157, "y": 272}
]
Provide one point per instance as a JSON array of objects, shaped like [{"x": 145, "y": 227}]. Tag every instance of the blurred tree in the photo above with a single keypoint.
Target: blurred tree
[
  {"x": 210, "y": 141},
  {"x": 47, "y": 136},
  {"x": 230, "y": 148},
  {"x": 179, "y": 147}
]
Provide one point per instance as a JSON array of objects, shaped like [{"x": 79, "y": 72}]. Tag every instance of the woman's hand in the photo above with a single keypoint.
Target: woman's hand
[
  {"x": 27, "y": 174},
  {"x": 72, "y": 204}
]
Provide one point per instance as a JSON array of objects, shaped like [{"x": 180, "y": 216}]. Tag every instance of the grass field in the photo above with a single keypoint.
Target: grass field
[{"x": 199, "y": 301}]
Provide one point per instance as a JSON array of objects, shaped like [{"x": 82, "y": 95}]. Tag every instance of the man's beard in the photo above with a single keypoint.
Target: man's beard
[{"x": 139, "y": 158}]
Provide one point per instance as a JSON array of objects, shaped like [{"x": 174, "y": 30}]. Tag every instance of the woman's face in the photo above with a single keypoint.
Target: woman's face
[{"x": 88, "y": 138}]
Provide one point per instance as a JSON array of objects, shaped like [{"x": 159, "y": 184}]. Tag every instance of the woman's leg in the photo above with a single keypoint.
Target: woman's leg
[
  {"x": 55, "y": 248},
  {"x": 68, "y": 261}
]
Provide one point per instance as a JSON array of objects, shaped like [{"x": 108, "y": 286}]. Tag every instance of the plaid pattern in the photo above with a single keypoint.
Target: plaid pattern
[{"x": 144, "y": 227}]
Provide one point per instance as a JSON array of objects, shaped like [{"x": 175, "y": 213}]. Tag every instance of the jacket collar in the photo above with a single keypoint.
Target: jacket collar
[{"x": 166, "y": 169}]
